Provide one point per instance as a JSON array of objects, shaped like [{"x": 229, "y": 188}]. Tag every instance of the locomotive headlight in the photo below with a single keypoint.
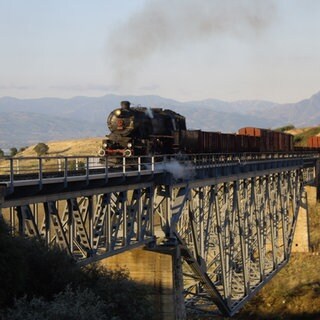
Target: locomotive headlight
[
  {"x": 129, "y": 145},
  {"x": 105, "y": 145},
  {"x": 117, "y": 112}
]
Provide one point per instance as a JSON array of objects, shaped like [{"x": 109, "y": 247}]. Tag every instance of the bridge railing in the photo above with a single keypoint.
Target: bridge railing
[
  {"x": 16, "y": 171},
  {"x": 21, "y": 170}
]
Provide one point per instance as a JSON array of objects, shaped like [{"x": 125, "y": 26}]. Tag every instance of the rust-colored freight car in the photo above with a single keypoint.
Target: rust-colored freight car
[
  {"x": 270, "y": 141},
  {"x": 314, "y": 142}
]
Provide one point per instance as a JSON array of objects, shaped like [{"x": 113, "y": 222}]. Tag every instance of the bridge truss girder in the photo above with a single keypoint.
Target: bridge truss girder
[
  {"x": 91, "y": 227},
  {"x": 234, "y": 233},
  {"x": 234, "y": 236}
]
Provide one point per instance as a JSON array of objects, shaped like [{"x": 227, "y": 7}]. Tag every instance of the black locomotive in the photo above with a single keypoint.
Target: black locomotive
[
  {"x": 142, "y": 131},
  {"x": 137, "y": 131}
]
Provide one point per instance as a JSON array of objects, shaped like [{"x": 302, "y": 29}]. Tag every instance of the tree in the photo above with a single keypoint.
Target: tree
[
  {"x": 41, "y": 149},
  {"x": 22, "y": 149},
  {"x": 13, "y": 151},
  {"x": 1, "y": 153},
  {"x": 285, "y": 128}
]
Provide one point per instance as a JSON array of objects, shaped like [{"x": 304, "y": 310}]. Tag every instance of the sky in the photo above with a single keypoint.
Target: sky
[{"x": 179, "y": 49}]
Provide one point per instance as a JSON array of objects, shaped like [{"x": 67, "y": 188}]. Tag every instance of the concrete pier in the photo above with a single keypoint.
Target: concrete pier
[
  {"x": 161, "y": 272},
  {"x": 301, "y": 240}
]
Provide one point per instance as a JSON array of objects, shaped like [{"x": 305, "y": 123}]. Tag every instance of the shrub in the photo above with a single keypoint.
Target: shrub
[
  {"x": 286, "y": 128},
  {"x": 13, "y": 151},
  {"x": 297, "y": 139},
  {"x": 36, "y": 280},
  {"x": 123, "y": 296},
  {"x": 22, "y": 149},
  {"x": 41, "y": 149},
  {"x": 76, "y": 165},
  {"x": 69, "y": 305}
]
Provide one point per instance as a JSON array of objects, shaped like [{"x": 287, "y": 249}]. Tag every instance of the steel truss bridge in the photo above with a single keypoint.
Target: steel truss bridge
[{"x": 232, "y": 216}]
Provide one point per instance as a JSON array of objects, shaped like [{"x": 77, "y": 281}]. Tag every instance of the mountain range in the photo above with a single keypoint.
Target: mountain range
[{"x": 28, "y": 121}]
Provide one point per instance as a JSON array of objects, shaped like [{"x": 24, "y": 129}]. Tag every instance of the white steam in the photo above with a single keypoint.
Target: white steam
[
  {"x": 184, "y": 171},
  {"x": 149, "y": 113}
]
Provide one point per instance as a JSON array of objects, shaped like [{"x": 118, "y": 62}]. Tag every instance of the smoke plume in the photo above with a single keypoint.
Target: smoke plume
[{"x": 164, "y": 25}]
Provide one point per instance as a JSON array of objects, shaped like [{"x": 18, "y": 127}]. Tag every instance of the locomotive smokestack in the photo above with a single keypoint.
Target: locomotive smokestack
[{"x": 125, "y": 105}]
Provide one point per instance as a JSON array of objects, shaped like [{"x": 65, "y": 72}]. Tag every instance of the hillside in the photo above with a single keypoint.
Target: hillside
[
  {"x": 301, "y": 138},
  {"x": 88, "y": 146},
  {"x": 28, "y": 121}
]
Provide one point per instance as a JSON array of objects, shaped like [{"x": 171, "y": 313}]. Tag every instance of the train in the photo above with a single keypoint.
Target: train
[{"x": 139, "y": 131}]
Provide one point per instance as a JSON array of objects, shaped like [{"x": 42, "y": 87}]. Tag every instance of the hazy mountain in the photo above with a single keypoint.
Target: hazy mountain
[
  {"x": 302, "y": 114},
  {"x": 28, "y": 121},
  {"x": 242, "y": 107},
  {"x": 25, "y": 128}
]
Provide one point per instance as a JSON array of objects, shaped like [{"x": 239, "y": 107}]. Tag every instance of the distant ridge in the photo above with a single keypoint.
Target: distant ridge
[{"x": 28, "y": 121}]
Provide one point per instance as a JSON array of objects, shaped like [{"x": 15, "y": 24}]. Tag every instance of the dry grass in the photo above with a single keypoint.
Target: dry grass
[
  {"x": 89, "y": 146},
  {"x": 297, "y": 131},
  {"x": 293, "y": 294},
  {"x": 79, "y": 148}
]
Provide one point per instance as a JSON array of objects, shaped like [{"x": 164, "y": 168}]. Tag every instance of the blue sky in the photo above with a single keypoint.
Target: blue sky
[{"x": 180, "y": 49}]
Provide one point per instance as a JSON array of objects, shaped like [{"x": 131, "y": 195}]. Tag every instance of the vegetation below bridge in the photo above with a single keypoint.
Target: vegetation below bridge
[{"x": 47, "y": 284}]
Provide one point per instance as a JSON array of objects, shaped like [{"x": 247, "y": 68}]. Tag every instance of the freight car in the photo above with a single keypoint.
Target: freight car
[
  {"x": 142, "y": 131},
  {"x": 314, "y": 142},
  {"x": 197, "y": 141},
  {"x": 270, "y": 141}
]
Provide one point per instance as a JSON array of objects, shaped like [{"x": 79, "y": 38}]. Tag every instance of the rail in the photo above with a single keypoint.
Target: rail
[{"x": 19, "y": 171}]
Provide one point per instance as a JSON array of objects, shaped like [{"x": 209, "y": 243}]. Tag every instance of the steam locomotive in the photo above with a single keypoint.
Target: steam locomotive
[
  {"x": 137, "y": 131},
  {"x": 142, "y": 131}
]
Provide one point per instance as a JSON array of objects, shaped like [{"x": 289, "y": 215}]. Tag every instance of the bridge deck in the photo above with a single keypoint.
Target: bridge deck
[{"x": 39, "y": 173}]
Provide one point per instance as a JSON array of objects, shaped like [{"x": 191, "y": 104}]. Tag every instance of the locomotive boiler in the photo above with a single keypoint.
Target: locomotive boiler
[{"x": 141, "y": 131}]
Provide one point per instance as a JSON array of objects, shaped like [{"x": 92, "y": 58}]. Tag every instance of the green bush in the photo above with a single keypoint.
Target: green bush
[
  {"x": 116, "y": 288},
  {"x": 76, "y": 165},
  {"x": 286, "y": 128},
  {"x": 297, "y": 139},
  {"x": 13, "y": 151},
  {"x": 35, "y": 279},
  {"x": 41, "y": 149},
  {"x": 67, "y": 305},
  {"x": 22, "y": 149}
]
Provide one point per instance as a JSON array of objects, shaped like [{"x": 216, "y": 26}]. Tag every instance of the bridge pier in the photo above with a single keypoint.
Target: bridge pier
[
  {"x": 161, "y": 272},
  {"x": 317, "y": 178},
  {"x": 301, "y": 240}
]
